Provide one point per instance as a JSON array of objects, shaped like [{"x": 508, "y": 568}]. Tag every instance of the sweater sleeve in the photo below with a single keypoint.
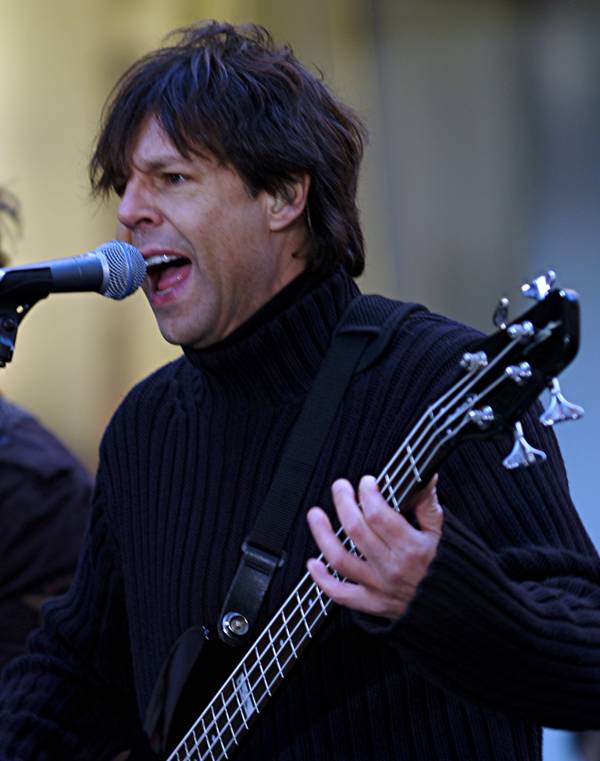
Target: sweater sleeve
[
  {"x": 509, "y": 613},
  {"x": 70, "y": 696}
]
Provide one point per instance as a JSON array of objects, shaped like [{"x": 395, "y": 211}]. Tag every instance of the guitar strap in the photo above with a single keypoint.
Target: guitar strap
[
  {"x": 360, "y": 337},
  {"x": 362, "y": 334}
]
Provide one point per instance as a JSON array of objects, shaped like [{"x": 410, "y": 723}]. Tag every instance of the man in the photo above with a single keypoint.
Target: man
[
  {"x": 237, "y": 171},
  {"x": 44, "y": 507}
]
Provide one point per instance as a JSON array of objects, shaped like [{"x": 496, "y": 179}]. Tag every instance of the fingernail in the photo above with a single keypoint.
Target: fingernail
[
  {"x": 369, "y": 483},
  {"x": 337, "y": 486}
]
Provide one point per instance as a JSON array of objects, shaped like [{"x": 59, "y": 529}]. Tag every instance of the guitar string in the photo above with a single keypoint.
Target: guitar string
[
  {"x": 449, "y": 435},
  {"x": 470, "y": 381}
]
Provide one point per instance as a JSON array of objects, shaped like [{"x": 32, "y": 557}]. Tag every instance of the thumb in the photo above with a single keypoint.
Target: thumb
[{"x": 428, "y": 510}]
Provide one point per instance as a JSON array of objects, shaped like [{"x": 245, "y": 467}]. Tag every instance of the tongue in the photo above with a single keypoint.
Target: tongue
[{"x": 172, "y": 276}]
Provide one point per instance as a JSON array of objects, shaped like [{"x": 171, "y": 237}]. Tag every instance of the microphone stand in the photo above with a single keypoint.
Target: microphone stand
[{"x": 19, "y": 291}]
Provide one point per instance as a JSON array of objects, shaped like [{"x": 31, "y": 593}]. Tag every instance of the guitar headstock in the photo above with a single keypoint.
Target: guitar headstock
[{"x": 508, "y": 370}]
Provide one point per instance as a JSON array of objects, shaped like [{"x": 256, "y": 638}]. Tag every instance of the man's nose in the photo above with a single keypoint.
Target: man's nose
[{"x": 137, "y": 207}]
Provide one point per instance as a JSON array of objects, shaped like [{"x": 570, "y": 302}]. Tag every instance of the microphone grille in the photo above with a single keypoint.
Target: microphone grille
[{"x": 126, "y": 269}]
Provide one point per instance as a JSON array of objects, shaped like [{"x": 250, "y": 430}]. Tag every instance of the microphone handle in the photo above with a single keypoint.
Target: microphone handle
[{"x": 87, "y": 272}]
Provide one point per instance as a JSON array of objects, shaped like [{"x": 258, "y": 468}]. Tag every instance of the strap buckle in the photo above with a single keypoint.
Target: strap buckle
[{"x": 262, "y": 559}]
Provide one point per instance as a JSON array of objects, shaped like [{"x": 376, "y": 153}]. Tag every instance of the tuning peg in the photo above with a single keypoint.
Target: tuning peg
[
  {"x": 520, "y": 373},
  {"x": 482, "y": 418},
  {"x": 522, "y": 455},
  {"x": 539, "y": 287},
  {"x": 500, "y": 318},
  {"x": 472, "y": 361},
  {"x": 559, "y": 409},
  {"x": 521, "y": 330}
]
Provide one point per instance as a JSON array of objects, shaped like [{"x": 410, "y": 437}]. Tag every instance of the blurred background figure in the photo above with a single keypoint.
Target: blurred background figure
[{"x": 44, "y": 496}]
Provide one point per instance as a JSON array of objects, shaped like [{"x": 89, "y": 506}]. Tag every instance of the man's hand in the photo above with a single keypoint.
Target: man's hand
[{"x": 396, "y": 556}]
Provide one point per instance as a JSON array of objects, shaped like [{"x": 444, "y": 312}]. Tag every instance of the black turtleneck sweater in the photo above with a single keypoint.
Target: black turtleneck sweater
[{"x": 486, "y": 651}]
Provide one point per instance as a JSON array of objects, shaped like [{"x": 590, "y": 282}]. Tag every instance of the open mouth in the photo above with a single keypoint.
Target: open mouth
[{"x": 167, "y": 271}]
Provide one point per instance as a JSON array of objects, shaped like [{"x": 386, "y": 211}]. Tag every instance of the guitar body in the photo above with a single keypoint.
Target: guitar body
[
  {"x": 208, "y": 673},
  {"x": 186, "y": 688}
]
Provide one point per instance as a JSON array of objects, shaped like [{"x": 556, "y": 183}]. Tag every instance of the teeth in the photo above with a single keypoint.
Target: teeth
[{"x": 161, "y": 259}]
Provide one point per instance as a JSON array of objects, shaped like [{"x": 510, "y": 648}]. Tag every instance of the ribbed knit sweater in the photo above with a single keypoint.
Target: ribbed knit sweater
[{"x": 501, "y": 637}]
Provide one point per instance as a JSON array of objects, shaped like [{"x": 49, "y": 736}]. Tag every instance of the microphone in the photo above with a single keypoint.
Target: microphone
[{"x": 114, "y": 269}]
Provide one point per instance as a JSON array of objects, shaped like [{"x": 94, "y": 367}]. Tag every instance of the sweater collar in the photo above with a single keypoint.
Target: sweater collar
[{"x": 276, "y": 353}]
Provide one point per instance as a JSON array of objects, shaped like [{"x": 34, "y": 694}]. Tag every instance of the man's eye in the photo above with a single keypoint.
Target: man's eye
[{"x": 174, "y": 178}]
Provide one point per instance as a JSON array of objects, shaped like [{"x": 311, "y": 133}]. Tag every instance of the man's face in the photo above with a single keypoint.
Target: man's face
[{"x": 223, "y": 256}]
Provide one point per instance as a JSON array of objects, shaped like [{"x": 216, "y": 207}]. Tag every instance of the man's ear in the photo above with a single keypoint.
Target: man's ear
[{"x": 284, "y": 208}]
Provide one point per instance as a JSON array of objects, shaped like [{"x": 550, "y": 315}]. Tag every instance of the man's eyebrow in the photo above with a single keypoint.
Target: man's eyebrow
[{"x": 158, "y": 163}]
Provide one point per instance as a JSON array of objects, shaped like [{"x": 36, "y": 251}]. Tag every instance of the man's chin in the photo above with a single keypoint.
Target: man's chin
[{"x": 182, "y": 336}]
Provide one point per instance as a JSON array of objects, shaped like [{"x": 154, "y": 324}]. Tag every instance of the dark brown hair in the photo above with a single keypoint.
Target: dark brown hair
[{"x": 254, "y": 106}]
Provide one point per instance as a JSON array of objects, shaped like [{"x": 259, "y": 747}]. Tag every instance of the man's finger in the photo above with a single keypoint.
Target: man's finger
[
  {"x": 369, "y": 538},
  {"x": 390, "y": 527},
  {"x": 336, "y": 554},
  {"x": 428, "y": 510},
  {"x": 350, "y": 595}
]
